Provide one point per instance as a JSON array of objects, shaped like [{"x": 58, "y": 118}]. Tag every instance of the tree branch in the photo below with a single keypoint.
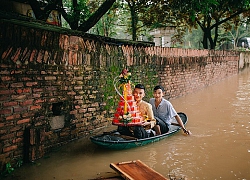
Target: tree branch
[
  {"x": 199, "y": 23},
  {"x": 94, "y": 18},
  {"x": 228, "y": 18}
]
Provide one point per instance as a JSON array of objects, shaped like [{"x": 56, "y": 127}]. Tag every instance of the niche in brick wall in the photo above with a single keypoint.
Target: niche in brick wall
[{"x": 58, "y": 119}]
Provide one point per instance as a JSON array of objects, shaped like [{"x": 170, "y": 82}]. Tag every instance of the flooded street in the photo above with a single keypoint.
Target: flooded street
[{"x": 219, "y": 147}]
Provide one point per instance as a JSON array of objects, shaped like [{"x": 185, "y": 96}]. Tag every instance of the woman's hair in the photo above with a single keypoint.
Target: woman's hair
[
  {"x": 159, "y": 87},
  {"x": 140, "y": 86}
]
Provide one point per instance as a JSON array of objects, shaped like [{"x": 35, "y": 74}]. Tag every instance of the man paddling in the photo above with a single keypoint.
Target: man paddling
[{"x": 164, "y": 111}]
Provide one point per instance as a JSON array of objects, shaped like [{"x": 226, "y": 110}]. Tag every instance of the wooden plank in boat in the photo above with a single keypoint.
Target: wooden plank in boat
[{"x": 136, "y": 170}]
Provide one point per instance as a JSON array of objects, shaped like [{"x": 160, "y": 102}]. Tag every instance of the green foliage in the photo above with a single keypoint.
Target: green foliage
[
  {"x": 19, "y": 163},
  {"x": 207, "y": 14},
  {"x": 106, "y": 25},
  {"x": 8, "y": 169},
  {"x": 229, "y": 34},
  {"x": 130, "y": 16},
  {"x": 126, "y": 118},
  {"x": 135, "y": 18},
  {"x": 109, "y": 90},
  {"x": 193, "y": 39},
  {"x": 80, "y": 11},
  {"x": 75, "y": 13},
  {"x": 151, "y": 81}
]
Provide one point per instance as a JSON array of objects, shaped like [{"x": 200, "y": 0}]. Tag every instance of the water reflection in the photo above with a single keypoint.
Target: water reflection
[{"x": 218, "y": 149}]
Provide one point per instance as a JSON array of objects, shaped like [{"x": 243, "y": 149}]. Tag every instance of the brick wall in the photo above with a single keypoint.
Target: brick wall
[
  {"x": 197, "y": 72},
  {"x": 56, "y": 85}
]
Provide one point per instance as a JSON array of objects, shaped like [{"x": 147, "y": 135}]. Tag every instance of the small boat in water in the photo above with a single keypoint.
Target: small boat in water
[{"x": 114, "y": 140}]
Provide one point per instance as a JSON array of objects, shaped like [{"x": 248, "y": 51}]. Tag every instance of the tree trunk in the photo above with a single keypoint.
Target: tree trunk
[
  {"x": 75, "y": 22},
  {"x": 211, "y": 40},
  {"x": 208, "y": 42},
  {"x": 205, "y": 39},
  {"x": 133, "y": 23}
]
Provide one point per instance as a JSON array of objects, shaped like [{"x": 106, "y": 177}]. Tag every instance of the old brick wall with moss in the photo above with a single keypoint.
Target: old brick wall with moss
[{"x": 56, "y": 85}]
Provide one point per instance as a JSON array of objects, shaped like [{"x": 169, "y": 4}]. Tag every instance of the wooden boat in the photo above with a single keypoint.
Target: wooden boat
[{"x": 113, "y": 140}]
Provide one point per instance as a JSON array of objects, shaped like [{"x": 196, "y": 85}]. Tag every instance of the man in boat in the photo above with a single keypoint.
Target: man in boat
[
  {"x": 149, "y": 123},
  {"x": 145, "y": 109},
  {"x": 164, "y": 111}
]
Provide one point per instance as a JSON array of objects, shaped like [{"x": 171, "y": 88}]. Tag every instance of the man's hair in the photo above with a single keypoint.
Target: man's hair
[
  {"x": 159, "y": 87},
  {"x": 140, "y": 86}
]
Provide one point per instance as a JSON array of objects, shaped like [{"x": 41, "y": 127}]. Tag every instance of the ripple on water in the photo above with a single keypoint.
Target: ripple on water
[{"x": 201, "y": 135}]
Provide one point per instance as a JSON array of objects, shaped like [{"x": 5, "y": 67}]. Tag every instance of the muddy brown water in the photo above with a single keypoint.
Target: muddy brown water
[{"x": 219, "y": 147}]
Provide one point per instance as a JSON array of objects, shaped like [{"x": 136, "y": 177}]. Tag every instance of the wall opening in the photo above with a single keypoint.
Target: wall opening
[{"x": 57, "y": 121}]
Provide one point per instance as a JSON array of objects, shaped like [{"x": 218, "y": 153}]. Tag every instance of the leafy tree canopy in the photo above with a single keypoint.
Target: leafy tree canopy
[
  {"x": 207, "y": 14},
  {"x": 78, "y": 14}
]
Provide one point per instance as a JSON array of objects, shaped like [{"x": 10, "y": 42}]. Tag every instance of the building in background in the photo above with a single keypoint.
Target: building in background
[{"x": 162, "y": 36}]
